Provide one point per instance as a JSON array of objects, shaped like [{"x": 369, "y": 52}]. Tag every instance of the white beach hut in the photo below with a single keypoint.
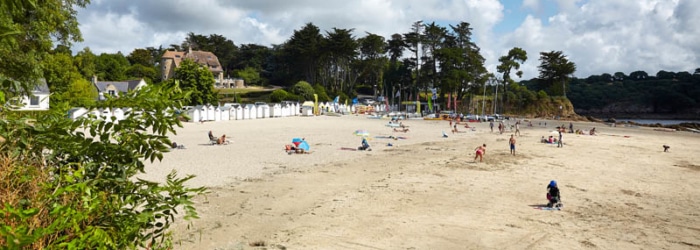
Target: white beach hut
[
  {"x": 252, "y": 111},
  {"x": 276, "y": 110},
  {"x": 106, "y": 114},
  {"x": 118, "y": 114},
  {"x": 211, "y": 113},
  {"x": 307, "y": 109},
  {"x": 217, "y": 113},
  {"x": 95, "y": 113},
  {"x": 202, "y": 113},
  {"x": 237, "y": 111},
  {"x": 195, "y": 114},
  {"x": 225, "y": 113},
  {"x": 246, "y": 112},
  {"x": 264, "y": 109}
]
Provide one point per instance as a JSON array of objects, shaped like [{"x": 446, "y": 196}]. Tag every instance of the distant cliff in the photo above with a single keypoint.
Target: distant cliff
[{"x": 636, "y": 110}]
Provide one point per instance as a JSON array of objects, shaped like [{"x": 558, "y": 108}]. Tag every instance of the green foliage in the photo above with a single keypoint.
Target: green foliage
[
  {"x": 250, "y": 75},
  {"x": 304, "y": 90},
  {"x": 28, "y": 31},
  {"x": 80, "y": 93},
  {"x": 71, "y": 184},
  {"x": 112, "y": 67},
  {"x": 138, "y": 71},
  {"x": 86, "y": 62},
  {"x": 555, "y": 71},
  {"x": 278, "y": 95},
  {"x": 197, "y": 80},
  {"x": 321, "y": 92}
]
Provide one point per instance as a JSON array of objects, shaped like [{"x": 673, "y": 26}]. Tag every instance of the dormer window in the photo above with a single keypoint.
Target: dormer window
[
  {"x": 34, "y": 101},
  {"x": 177, "y": 56}
]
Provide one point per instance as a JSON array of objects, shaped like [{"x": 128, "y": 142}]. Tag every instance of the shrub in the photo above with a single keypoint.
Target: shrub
[
  {"x": 304, "y": 90},
  {"x": 70, "y": 184},
  {"x": 278, "y": 95}
]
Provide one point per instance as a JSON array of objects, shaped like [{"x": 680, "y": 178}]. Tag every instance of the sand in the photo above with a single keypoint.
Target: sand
[{"x": 619, "y": 189}]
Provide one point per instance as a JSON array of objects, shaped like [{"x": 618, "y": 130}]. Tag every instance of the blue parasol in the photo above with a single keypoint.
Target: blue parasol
[{"x": 303, "y": 145}]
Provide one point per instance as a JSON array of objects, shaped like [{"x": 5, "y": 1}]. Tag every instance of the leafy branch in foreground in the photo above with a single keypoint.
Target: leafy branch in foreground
[{"x": 71, "y": 183}]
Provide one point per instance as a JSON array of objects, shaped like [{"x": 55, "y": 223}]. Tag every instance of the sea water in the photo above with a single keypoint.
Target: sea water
[{"x": 662, "y": 122}]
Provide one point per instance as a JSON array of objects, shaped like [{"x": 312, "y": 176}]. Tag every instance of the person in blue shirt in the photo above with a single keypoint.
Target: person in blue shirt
[{"x": 553, "y": 194}]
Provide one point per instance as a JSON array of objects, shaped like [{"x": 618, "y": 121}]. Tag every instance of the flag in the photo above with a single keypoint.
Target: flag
[
  {"x": 430, "y": 104},
  {"x": 316, "y": 104}
]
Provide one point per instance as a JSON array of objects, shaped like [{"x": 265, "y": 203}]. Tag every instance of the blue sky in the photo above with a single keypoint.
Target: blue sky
[{"x": 600, "y": 36}]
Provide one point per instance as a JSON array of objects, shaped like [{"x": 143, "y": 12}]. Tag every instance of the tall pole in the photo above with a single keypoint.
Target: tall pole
[
  {"x": 483, "y": 100},
  {"x": 495, "y": 99}
]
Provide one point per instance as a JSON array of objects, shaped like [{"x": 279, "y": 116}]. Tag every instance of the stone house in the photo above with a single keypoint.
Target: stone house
[{"x": 172, "y": 59}]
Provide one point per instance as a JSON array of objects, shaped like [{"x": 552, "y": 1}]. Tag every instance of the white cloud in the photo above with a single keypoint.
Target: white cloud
[{"x": 598, "y": 35}]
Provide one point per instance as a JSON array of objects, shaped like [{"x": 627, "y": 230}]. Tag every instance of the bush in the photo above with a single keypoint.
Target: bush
[
  {"x": 70, "y": 184},
  {"x": 304, "y": 90},
  {"x": 321, "y": 92},
  {"x": 278, "y": 95}
]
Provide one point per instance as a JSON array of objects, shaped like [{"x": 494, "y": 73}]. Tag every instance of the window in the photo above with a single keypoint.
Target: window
[
  {"x": 34, "y": 101},
  {"x": 112, "y": 92}
]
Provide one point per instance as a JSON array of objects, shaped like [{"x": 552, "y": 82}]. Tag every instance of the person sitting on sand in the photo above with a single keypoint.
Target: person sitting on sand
[
  {"x": 454, "y": 129},
  {"x": 365, "y": 145},
  {"x": 666, "y": 147},
  {"x": 480, "y": 152},
  {"x": 211, "y": 136},
  {"x": 221, "y": 140},
  {"x": 592, "y": 132},
  {"x": 401, "y": 130},
  {"x": 553, "y": 195}
]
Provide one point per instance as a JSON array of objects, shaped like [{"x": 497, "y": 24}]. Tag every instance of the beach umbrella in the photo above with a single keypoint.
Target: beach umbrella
[
  {"x": 303, "y": 145},
  {"x": 297, "y": 141},
  {"x": 361, "y": 132}
]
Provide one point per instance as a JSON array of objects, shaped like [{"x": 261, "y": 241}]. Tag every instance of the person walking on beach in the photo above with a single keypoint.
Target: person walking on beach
[
  {"x": 480, "y": 152},
  {"x": 512, "y": 144},
  {"x": 571, "y": 127},
  {"x": 491, "y": 125},
  {"x": 560, "y": 144},
  {"x": 517, "y": 128}
]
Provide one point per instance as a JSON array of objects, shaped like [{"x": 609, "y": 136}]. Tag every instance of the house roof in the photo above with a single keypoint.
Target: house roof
[
  {"x": 41, "y": 87},
  {"x": 204, "y": 58},
  {"x": 121, "y": 86}
]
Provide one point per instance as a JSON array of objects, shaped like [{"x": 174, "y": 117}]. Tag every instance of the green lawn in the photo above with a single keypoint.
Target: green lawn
[{"x": 248, "y": 95}]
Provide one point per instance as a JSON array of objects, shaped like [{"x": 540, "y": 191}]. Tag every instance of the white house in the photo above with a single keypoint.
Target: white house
[
  {"x": 39, "y": 100},
  {"x": 74, "y": 113},
  {"x": 116, "y": 89}
]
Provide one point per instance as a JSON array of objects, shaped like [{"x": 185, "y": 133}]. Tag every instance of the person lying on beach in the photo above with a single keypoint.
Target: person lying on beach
[
  {"x": 401, "y": 130},
  {"x": 177, "y": 146}
]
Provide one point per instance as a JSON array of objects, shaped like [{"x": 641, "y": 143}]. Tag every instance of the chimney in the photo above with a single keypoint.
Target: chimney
[{"x": 94, "y": 79}]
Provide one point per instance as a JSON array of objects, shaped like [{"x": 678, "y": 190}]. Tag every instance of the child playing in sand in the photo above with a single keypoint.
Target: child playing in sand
[
  {"x": 480, "y": 152},
  {"x": 553, "y": 195},
  {"x": 365, "y": 145},
  {"x": 512, "y": 144}
]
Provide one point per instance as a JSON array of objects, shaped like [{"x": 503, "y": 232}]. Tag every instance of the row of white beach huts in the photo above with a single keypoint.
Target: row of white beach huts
[{"x": 232, "y": 111}]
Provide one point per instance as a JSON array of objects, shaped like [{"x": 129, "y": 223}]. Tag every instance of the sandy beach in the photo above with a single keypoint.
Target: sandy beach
[{"x": 619, "y": 189}]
